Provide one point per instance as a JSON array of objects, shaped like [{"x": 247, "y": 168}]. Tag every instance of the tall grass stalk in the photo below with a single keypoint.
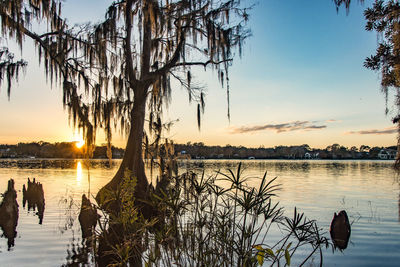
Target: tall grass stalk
[{"x": 217, "y": 220}]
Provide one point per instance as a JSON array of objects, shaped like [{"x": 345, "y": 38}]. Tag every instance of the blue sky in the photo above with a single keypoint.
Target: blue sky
[{"x": 300, "y": 80}]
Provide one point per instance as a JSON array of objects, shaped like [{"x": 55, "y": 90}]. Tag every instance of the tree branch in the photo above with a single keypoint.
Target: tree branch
[
  {"x": 204, "y": 64},
  {"x": 127, "y": 46},
  {"x": 163, "y": 70},
  {"x": 35, "y": 37}
]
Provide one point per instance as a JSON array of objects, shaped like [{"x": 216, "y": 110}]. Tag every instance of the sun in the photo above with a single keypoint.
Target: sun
[{"x": 79, "y": 144}]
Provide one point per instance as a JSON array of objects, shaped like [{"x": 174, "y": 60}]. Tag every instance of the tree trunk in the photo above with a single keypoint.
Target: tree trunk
[
  {"x": 133, "y": 160},
  {"x": 133, "y": 157}
]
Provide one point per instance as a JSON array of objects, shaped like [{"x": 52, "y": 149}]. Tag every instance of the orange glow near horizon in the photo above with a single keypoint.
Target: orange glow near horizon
[{"x": 79, "y": 144}]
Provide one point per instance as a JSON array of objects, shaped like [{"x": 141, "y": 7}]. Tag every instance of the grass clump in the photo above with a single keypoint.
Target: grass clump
[{"x": 200, "y": 220}]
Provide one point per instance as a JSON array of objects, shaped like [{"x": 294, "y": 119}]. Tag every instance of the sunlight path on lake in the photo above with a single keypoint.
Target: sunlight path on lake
[{"x": 79, "y": 173}]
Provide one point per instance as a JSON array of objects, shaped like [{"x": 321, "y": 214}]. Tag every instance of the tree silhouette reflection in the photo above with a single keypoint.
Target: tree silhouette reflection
[
  {"x": 9, "y": 214},
  {"x": 79, "y": 252},
  {"x": 33, "y": 194}
]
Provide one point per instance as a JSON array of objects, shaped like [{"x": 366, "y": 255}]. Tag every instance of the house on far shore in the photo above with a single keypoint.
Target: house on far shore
[
  {"x": 183, "y": 155},
  {"x": 7, "y": 153},
  {"x": 387, "y": 154},
  {"x": 310, "y": 155}
]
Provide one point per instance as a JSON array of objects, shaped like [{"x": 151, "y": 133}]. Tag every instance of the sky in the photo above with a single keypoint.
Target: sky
[{"x": 300, "y": 80}]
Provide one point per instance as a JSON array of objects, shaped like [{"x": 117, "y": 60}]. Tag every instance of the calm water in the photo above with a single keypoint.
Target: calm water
[{"x": 367, "y": 190}]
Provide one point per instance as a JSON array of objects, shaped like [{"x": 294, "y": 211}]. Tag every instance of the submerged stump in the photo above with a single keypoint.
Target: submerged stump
[
  {"x": 87, "y": 217},
  {"x": 9, "y": 214},
  {"x": 33, "y": 194},
  {"x": 340, "y": 230}
]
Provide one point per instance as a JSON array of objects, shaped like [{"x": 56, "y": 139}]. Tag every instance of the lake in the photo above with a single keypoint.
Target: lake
[{"x": 367, "y": 190}]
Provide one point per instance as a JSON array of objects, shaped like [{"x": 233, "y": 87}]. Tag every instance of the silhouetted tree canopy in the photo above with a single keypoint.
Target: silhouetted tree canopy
[
  {"x": 115, "y": 72},
  {"x": 9, "y": 69},
  {"x": 384, "y": 18}
]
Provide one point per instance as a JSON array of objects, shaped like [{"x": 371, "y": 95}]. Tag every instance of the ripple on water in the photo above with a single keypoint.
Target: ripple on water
[{"x": 367, "y": 190}]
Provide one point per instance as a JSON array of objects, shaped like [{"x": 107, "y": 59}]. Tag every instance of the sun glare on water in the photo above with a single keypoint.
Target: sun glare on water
[{"x": 79, "y": 172}]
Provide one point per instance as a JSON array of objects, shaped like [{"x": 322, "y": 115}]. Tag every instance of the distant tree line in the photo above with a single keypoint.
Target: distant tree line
[
  {"x": 54, "y": 150},
  {"x": 198, "y": 151},
  {"x": 335, "y": 151}
]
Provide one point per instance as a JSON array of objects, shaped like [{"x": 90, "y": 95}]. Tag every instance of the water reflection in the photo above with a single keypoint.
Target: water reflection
[
  {"x": 398, "y": 198},
  {"x": 79, "y": 253},
  {"x": 79, "y": 173},
  {"x": 317, "y": 187},
  {"x": 9, "y": 214},
  {"x": 33, "y": 194}
]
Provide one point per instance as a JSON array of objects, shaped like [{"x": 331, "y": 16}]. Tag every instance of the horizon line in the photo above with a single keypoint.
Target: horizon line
[{"x": 192, "y": 143}]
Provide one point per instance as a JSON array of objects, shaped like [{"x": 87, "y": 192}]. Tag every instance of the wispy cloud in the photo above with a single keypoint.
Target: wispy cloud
[
  {"x": 279, "y": 128},
  {"x": 388, "y": 130},
  {"x": 332, "y": 120}
]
